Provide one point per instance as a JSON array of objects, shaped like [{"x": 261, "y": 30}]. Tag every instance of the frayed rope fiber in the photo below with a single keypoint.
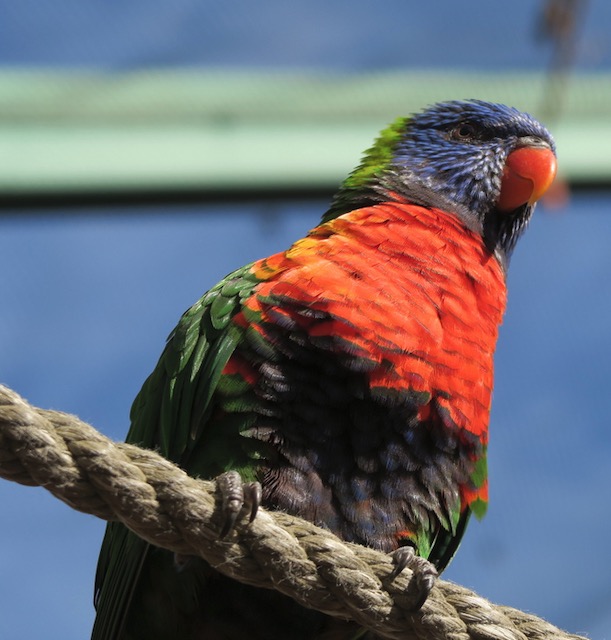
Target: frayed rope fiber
[{"x": 170, "y": 509}]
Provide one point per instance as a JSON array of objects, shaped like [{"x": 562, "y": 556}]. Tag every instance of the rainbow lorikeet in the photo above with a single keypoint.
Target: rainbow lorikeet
[{"x": 349, "y": 377}]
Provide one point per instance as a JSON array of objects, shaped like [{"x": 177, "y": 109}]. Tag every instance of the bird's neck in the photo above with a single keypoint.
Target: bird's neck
[
  {"x": 348, "y": 199},
  {"x": 402, "y": 188}
]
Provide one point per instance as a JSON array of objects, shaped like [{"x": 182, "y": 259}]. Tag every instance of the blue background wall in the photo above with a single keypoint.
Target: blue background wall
[{"x": 89, "y": 297}]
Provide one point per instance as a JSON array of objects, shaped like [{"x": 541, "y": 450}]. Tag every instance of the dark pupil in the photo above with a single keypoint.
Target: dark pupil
[{"x": 465, "y": 131}]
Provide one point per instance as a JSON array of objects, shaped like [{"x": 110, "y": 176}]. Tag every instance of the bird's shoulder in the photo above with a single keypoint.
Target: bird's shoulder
[{"x": 176, "y": 396}]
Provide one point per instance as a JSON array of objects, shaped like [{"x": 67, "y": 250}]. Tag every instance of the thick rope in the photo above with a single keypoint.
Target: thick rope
[{"x": 168, "y": 508}]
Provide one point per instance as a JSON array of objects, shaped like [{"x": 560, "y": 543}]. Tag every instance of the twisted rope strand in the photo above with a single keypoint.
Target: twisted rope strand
[{"x": 170, "y": 509}]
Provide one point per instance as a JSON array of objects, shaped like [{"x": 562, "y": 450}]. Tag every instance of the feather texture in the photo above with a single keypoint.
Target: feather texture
[{"x": 351, "y": 375}]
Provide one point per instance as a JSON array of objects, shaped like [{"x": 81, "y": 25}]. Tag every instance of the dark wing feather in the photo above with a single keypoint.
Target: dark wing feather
[
  {"x": 169, "y": 415},
  {"x": 446, "y": 543}
]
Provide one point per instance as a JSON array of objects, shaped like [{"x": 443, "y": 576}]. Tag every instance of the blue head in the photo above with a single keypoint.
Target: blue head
[{"x": 454, "y": 157}]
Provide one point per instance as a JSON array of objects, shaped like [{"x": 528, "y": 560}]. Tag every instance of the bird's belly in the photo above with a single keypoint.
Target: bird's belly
[{"x": 371, "y": 475}]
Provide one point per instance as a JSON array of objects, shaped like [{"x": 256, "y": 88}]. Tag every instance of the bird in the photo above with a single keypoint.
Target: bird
[{"x": 346, "y": 380}]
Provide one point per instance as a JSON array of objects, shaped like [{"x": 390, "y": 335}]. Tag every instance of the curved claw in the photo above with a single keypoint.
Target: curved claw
[
  {"x": 252, "y": 498},
  {"x": 424, "y": 573},
  {"x": 237, "y": 498}
]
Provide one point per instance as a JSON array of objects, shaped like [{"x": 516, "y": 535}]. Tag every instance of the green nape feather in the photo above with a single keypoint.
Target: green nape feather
[
  {"x": 378, "y": 156},
  {"x": 375, "y": 160}
]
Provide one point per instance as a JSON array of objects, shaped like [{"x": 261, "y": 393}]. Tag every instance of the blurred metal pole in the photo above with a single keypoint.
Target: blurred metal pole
[{"x": 559, "y": 23}]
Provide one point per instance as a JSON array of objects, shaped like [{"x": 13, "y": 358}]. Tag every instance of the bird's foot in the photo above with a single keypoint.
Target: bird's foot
[
  {"x": 424, "y": 573},
  {"x": 237, "y": 499}
]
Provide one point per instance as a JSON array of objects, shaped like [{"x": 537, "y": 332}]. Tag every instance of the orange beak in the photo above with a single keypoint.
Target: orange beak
[{"x": 528, "y": 174}]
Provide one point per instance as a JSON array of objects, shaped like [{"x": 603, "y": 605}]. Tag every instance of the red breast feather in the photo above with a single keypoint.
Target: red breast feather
[{"x": 368, "y": 353}]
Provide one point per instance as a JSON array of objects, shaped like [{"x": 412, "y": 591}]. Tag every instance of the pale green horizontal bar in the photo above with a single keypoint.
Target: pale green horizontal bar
[{"x": 77, "y": 132}]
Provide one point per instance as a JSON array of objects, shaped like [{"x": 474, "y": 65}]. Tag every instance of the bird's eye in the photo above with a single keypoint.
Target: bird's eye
[{"x": 464, "y": 131}]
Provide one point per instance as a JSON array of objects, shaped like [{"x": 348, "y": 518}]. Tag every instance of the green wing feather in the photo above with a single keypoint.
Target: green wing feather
[
  {"x": 446, "y": 543},
  {"x": 169, "y": 415}
]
